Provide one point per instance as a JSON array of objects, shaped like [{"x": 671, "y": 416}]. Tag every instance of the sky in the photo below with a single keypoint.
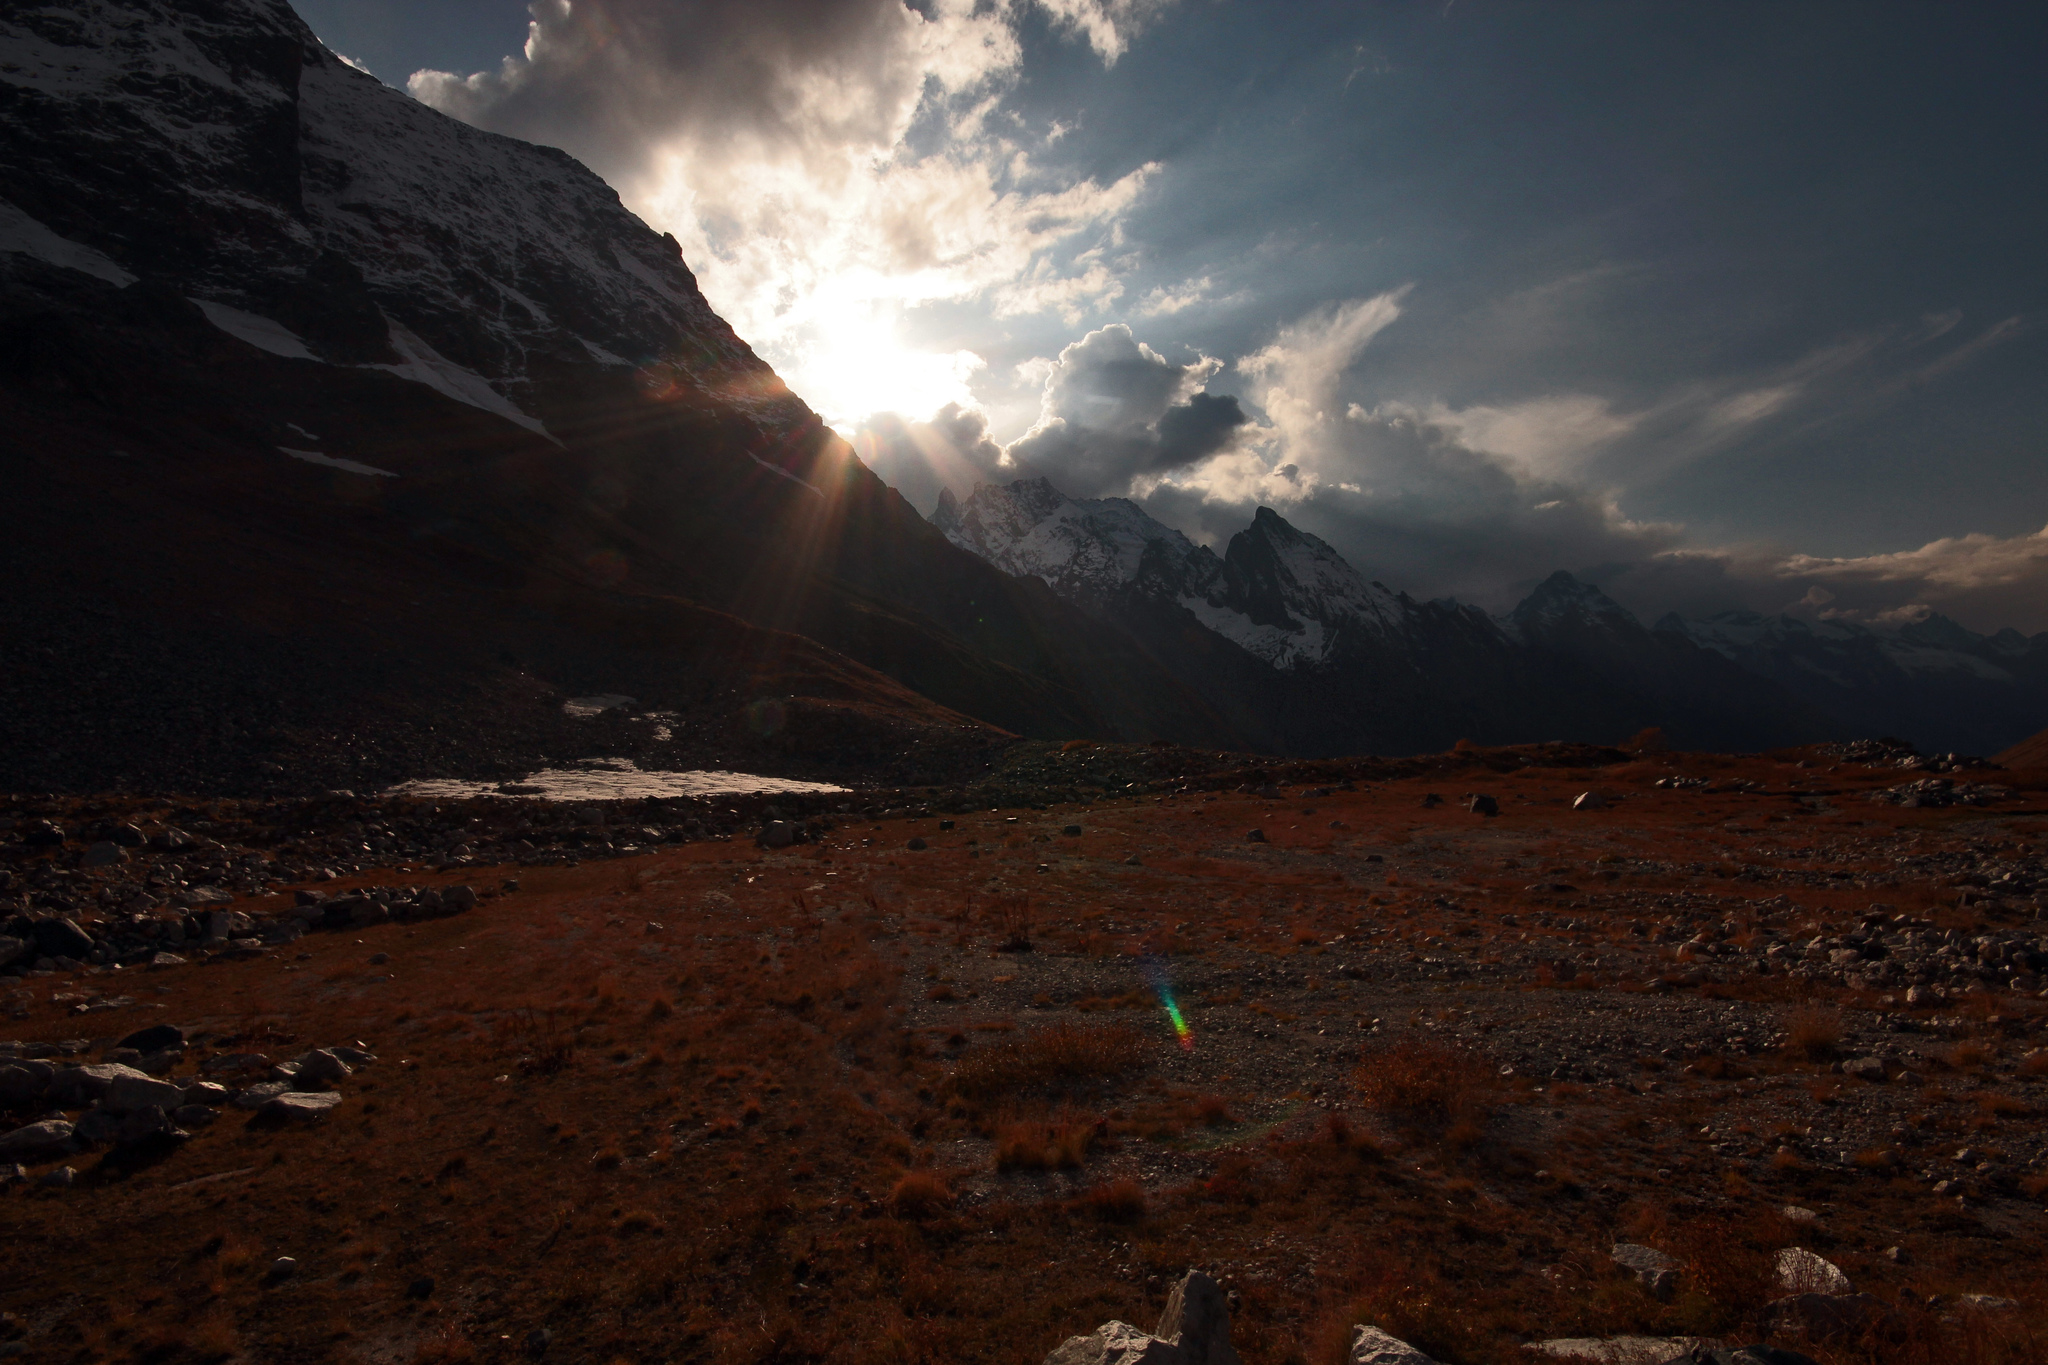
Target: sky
[{"x": 1720, "y": 305}]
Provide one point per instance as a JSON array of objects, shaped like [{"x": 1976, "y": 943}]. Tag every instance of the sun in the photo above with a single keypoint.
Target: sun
[{"x": 851, "y": 361}]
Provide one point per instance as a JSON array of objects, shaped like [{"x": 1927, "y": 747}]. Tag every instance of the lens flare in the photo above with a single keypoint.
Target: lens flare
[{"x": 1164, "y": 988}]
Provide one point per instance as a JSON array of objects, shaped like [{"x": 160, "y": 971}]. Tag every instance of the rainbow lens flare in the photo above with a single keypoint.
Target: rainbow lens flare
[{"x": 1171, "y": 1006}]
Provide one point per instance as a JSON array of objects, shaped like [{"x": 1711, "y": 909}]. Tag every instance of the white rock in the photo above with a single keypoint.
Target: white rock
[
  {"x": 305, "y": 1106},
  {"x": 1617, "y": 1350},
  {"x": 1802, "y": 1272},
  {"x": 1371, "y": 1346}
]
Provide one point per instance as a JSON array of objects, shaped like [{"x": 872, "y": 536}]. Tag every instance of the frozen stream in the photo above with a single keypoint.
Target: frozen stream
[{"x": 611, "y": 779}]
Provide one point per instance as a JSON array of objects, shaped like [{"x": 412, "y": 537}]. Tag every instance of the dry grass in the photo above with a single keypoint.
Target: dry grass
[
  {"x": 1059, "y": 1144},
  {"x": 919, "y": 1194},
  {"x": 1428, "y": 1085},
  {"x": 1047, "y": 1055},
  {"x": 1813, "y": 1032}
]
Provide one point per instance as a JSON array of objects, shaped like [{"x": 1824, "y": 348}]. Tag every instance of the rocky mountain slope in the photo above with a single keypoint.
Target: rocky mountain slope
[
  {"x": 1282, "y": 634},
  {"x": 346, "y": 439}
]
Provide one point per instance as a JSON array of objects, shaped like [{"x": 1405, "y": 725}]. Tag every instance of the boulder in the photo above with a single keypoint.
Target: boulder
[
  {"x": 1371, "y": 1346},
  {"x": 456, "y": 899},
  {"x": 776, "y": 834},
  {"x": 155, "y": 1038},
  {"x": 1802, "y": 1272},
  {"x": 1590, "y": 801},
  {"x": 77, "y": 1086},
  {"x": 158, "y": 961},
  {"x": 144, "y": 1124},
  {"x": 319, "y": 1068},
  {"x": 1864, "y": 1068},
  {"x": 1115, "y": 1343},
  {"x": 56, "y": 936},
  {"x": 299, "y": 1106},
  {"x": 1197, "y": 1320},
  {"x": 132, "y": 1094},
  {"x": 37, "y": 1142},
  {"x": 206, "y": 1092},
  {"x": 256, "y": 1096},
  {"x": 1482, "y": 805},
  {"x": 20, "y": 1085},
  {"x": 1616, "y": 1350},
  {"x": 1194, "y": 1330},
  {"x": 1654, "y": 1270}
]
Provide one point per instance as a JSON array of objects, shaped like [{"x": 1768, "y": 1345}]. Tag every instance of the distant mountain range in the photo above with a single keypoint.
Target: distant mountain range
[
  {"x": 343, "y": 441},
  {"x": 1362, "y": 665}
]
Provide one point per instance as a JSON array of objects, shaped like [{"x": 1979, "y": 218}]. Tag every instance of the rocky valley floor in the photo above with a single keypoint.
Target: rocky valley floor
[{"x": 895, "y": 1076}]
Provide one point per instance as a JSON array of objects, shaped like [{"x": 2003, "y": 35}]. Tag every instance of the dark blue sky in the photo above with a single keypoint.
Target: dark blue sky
[{"x": 1741, "y": 280}]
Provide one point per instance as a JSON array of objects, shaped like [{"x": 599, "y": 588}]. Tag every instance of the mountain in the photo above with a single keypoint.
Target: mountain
[
  {"x": 1932, "y": 681},
  {"x": 344, "y": 439},
  {"x": 1284, "y": 637}
]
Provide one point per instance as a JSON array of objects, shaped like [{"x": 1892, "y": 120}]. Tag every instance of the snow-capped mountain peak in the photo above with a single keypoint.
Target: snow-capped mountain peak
[{"x": 1081, "y": 548}]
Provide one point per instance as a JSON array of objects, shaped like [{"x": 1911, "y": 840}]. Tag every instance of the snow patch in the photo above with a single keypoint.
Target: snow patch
[
  {"x": 1280, "y": 648},
  {"x": 597, "y": 705},
  {"x": 422, "y": 364},
  {"x": 352, "y": 466},
  {"x": 21, "y": 233},
  {"x": 613, "y": 779},
  {"x": 260, "y": 332}
]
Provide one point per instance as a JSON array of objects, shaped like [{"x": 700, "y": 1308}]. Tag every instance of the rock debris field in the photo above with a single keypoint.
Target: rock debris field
[{"x": 1669, "y": 1052}]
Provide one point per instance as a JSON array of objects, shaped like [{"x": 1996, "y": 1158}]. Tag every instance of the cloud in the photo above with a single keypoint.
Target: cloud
[
  {"x": 1555, "y": 435},
  {"x": 826, "y": 164},
  {"x": 1115, "y": 411},
  {"x": 1109, "y": 25},
  {"x": 1164, "y": 301},
  {"x": 917, "y": 459}
]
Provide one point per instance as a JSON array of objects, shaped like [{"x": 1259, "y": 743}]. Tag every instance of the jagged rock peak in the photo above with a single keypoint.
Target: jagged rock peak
[
  {"x": 1081, "y": 547},
  {"x": 1562, "y": 601}
]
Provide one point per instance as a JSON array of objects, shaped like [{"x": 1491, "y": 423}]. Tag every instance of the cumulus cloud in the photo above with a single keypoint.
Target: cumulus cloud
[
  {"x": 1436, "y": 500},
  {"x": 1115, "y": 411},
  {"x": 784, "y": 143}
]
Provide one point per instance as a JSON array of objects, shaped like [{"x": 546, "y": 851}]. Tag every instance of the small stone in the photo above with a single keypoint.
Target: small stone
[
  {"x": 162, "y": 960},
  {"x": 1482, "y": 805},
  {"x": 776, "y": 834},
  {"x": 1865, "y": 1068},
  {"x": 283, "y": 1266},
  {"x": 1898, "y": 1256},
  {"x": 60, "y": 1179},
  {"x": 1792, "y": 1213},
  {"x": 1071, "y": 831},
  {"x": 1256, "y": 836},
  {"x": 917, "y": 845},
  {"x": 379, "y": 959},
  {"x": 1589, "y": 801},
  {"x": 457, "y": 899},
  {"x": 538, "y": 1341}
]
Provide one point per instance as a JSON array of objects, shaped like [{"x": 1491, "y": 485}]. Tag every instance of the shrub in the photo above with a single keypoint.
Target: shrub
[
  {"x": 1058, "y": 1145},
  {"x": 1046, "y": 1055},
  {"x": 919, "y": 1194},
  {"x": 1120, "y": 1201},
  {"x": 1429, "y": 1085},
  {"x": 1813, "y": 1033}
]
